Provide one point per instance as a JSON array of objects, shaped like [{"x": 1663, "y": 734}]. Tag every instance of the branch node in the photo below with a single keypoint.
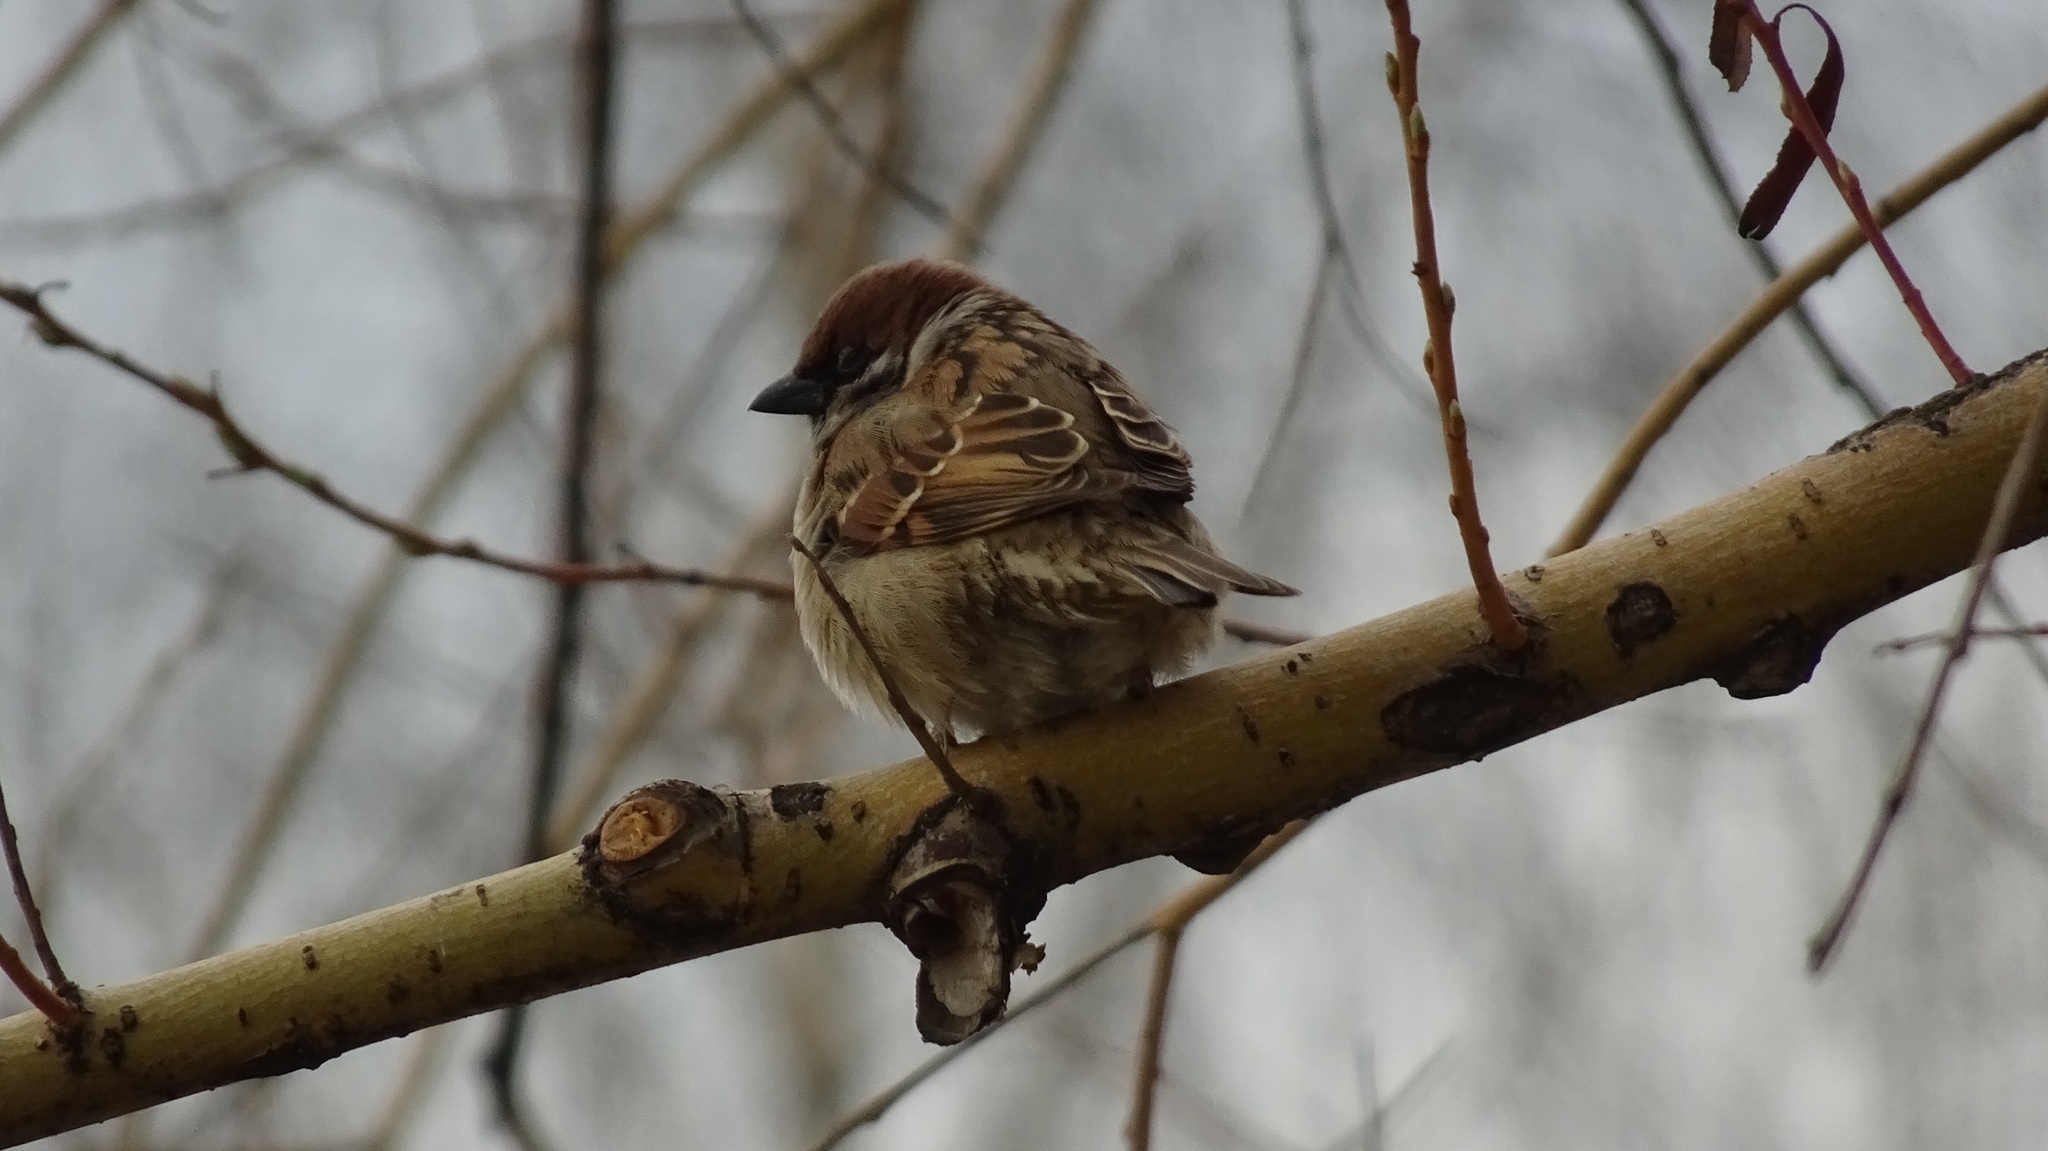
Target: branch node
[{"x": 949, "y": 904}]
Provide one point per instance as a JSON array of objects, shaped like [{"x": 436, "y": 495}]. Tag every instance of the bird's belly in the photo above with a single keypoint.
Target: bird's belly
[{"x": 983, "y": 636}]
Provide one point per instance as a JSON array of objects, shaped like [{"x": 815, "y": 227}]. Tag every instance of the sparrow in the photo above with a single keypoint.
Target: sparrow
[{"x": 1006, "y": 518}]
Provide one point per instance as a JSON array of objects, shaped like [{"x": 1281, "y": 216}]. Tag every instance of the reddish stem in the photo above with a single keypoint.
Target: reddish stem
[
  {"x": 1851, "y": 188},
  {"x": 54, "y": 1008},
  {"x": 1494, "y": 606}
]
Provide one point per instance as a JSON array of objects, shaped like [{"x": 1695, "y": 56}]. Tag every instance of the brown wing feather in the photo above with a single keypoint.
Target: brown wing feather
[
  {"x": 1162, "y": 464},
  {"x": 1003, "y": 459}
]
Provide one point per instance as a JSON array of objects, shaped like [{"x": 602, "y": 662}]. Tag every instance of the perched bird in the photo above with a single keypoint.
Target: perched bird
[{"x": 1007, "y": 519}]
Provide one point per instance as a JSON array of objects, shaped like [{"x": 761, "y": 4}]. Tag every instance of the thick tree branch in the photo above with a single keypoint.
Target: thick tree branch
[{"x": 1745, "y": 590}]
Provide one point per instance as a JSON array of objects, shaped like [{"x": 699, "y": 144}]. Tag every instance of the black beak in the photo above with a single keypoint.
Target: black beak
[{"x": 791, "y": 396}]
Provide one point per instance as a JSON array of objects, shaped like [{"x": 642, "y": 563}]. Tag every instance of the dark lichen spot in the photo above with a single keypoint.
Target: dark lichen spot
[
  {"x": 1291, "y": 667},
  {"x": 299, "y": 1049},
  {"x": 1042, "y": 795},
  {"x": 113, "y": 1046},
  {"x": 1640, "y": 613},
  {"x": 397, "y": 991},
  {"x": 1306, "y": 656},
  {"x": 1658, "y": 538},
  {"x": 483, "y": 895},
  {"x": 1812, "y": 491},
  {"x": 242, "y": 1016},
  {"x": 1779, "y": 657},
  {"x": 308, "y": 957},
  {"x": 1932, "y": 415},
  {"x": 129, "y": 1020},
  {"x": 793, "y": 886},
  {"x": 859, "y": 810},
  {"x": 1469, "y": 710},
  {"x": 1533, "y": 573},
  {"x": 790, "y": 800},
  {"x": 1286, "y": 757},
  {"x": 824, "y": 829},
  {"x": 434, "y": 960},
  {"x": 1323, "y": 703},
  {"x": 1251, "y": 726},
  {"x": 1797, "y": 525}
]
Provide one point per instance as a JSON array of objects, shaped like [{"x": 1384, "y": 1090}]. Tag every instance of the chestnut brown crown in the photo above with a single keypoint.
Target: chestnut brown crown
[{"x": 874, "y": 318}]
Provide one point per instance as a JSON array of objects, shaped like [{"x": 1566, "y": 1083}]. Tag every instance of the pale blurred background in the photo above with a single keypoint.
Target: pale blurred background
[{"x": 356, "y": 214}]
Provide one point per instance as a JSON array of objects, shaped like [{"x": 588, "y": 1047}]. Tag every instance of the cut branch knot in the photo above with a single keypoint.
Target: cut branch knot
[{"x": 950, "y": 904}]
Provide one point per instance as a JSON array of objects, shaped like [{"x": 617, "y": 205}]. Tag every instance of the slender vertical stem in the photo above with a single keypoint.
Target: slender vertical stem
[
  {"x": 1851, "y": 188},
  {"x": 596, "y": 58},
  {"x": 1437, "y": 359}
]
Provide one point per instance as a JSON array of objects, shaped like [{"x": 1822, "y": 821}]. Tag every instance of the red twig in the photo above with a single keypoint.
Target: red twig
[
  {"x": 57, "y": 1000},
  {"x": 1437, "y": 306},
  {"x": 250, "y": 455},
  {"x": 1847, "y": 183},
  {"x": 59, "y": 1013}
]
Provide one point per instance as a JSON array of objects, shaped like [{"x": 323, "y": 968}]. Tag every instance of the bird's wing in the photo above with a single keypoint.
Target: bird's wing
[
  {"x": 1001, "y": 459},
  {"x": 1162, "y": 464}
]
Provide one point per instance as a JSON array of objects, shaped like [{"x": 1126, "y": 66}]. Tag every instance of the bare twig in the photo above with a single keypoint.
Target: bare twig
[
  {"x": 998, "y": 174},
  {"x": 876, "y": 167},
  {"x": 1715, "y": 169},
  {"x": 1177, "y": 910},
  {"x": 1801, "y": 114},
  {"x": 2023, "y": 472},
  {"x": 251, "y": 455},
  {"x": 1437, "y": 360},
  {"x": 931, "y": 743},
  {"x": 1151, "y": 1037},
  {"x": 59, "y": 1013},
  {"x": 596, "y": 53},
  {"x": 62, "y": 66},
  {"x": 1772, "y": 302},
  {"x": 58, "y": 1000},
  {"x": 1907, "y": 643}
]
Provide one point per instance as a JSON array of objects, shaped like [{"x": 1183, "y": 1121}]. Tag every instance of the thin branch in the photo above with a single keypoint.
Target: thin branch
[
  {"x": 1910, "y": 642},
  {"x": 875, "y": 166},
  {"x": 934, "y": 748},
  {"x": 1773, "y": 301},
  {"x": 879, "y": 1105},
  {"x": 251, "y": 455},
  {"x": 1722, "y": 184},
  {"x": 1177, "y": 910},
  {"x": 62, "y": 66},
  {"x": 596, "y": 52},
  {"x": 58, "y": 1000},
  {"x": 998, "y": 176},
  {"x": 1846, "y": 182},
  {"x": 1151, "y": 1038},
  {"x": 52, "y": 1006},
  {"x": 2023, "y": 472},
  {"x": 1437, "y": 360}
]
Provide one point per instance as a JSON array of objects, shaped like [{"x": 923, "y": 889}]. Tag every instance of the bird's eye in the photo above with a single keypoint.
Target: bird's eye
[{"x": 849, "y": 359}]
